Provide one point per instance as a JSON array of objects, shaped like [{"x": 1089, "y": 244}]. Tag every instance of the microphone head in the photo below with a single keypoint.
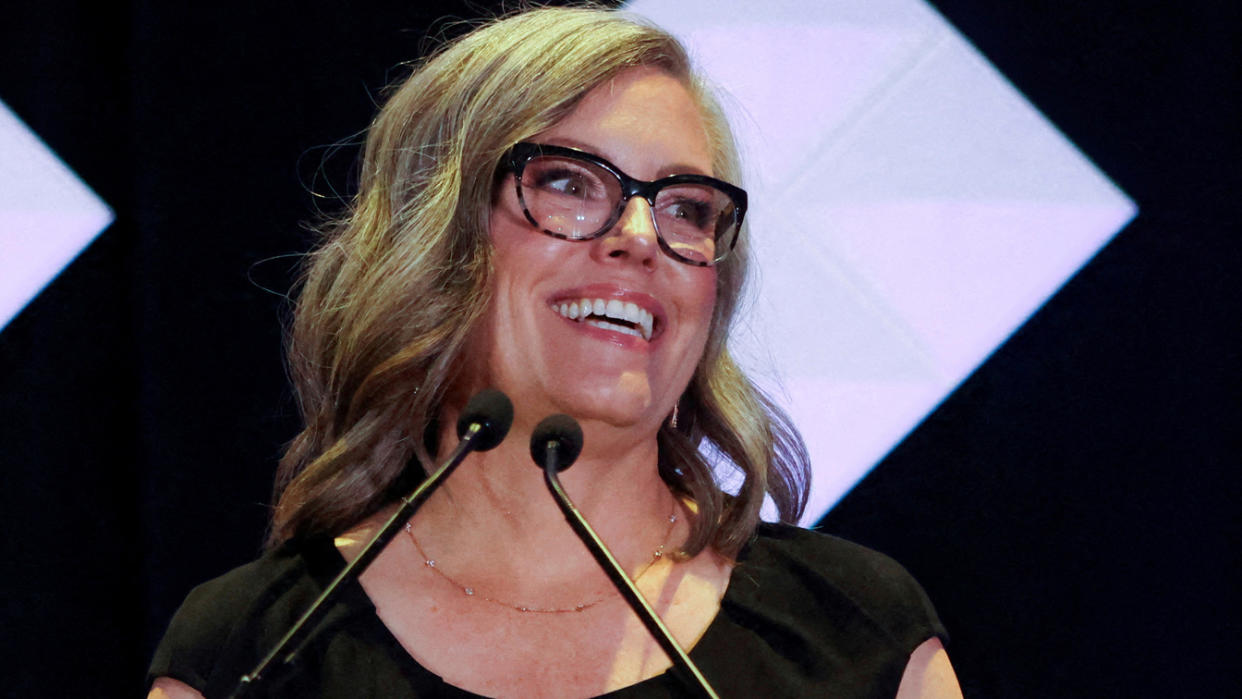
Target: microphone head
[
  {"x": 559, "y": 432},
  {"x": 493, "y": 412}
]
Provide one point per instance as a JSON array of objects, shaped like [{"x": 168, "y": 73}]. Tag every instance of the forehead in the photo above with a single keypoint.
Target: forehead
[{"x": 644, "y": 120}]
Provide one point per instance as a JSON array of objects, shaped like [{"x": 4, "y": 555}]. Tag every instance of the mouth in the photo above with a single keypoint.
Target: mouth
[{"x": 625, "y": 317}]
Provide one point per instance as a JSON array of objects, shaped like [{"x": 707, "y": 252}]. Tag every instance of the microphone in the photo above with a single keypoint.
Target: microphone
[
  {"x": 556, "y": 436},
  {"x": 555, "y": 445},
  {"x": 481, "y": 426}
]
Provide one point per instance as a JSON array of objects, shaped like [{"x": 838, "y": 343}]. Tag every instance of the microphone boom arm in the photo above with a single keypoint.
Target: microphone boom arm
[
  {"x": 617, "y": 574},
  {"x": 409, "y": 505}
]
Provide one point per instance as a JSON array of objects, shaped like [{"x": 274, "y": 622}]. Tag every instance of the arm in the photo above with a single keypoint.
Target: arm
[
  {"x": 168, "y": 688},
  {"x": 929, "y": 675}
]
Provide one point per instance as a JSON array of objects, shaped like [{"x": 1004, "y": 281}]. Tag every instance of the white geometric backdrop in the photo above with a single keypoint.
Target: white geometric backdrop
[
  {"x": 47, "y": 215},
  {"x": 910, "y": 210}
]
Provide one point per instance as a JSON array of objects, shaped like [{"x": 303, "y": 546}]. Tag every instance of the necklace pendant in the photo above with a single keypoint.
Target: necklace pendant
[
  {"x": 468, "y": 590},
  {"x": 431, "y": 563}
]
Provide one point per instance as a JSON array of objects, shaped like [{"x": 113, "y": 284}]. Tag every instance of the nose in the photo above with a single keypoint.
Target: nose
[{"x": 633, "y": 238}]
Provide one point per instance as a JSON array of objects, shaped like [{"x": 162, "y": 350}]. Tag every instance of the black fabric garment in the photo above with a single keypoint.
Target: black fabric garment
[{"x": 805, "y": 614}]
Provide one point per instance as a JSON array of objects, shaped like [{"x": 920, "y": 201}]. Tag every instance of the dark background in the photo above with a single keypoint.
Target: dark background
[{"x": 1072, "y": 508}]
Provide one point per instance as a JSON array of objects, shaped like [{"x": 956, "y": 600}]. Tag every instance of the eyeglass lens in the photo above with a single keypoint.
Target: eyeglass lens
[{"x": 577, "y": 199}]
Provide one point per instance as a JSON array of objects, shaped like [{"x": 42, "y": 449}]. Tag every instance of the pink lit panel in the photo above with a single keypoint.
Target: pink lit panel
[
  {"x": 911, "y": 209},
  {"x": 47, "y": 216}
]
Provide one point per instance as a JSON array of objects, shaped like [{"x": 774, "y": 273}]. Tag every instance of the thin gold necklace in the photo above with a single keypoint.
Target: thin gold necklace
[{"x": 469, "y": 590}]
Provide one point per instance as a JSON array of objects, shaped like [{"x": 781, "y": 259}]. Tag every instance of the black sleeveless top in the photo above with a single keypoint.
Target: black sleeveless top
[{"x": 805, "y": 614}]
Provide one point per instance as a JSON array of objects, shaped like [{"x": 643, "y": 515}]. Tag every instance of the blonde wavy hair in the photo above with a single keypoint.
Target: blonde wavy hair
[{"x": 391, "y": 293}]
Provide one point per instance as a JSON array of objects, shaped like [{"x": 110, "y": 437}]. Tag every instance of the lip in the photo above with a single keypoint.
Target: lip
[{"x": 644, "y": 301}]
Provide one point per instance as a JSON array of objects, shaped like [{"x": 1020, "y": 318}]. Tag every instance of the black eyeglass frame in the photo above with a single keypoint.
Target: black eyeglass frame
[{"x": 522, "y": 153}]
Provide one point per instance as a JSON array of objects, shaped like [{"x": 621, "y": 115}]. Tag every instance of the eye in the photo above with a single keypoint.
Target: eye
[
  {"x": 690, "y": 211},
  {"x": 563, "y": 178},
  {"x": 562, "y": 183}
]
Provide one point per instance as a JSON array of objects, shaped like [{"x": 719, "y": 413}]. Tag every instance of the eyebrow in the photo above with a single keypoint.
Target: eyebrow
[{"x": 664, "y": 171}]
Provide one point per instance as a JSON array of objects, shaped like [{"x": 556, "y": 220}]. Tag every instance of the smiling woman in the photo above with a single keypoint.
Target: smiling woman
[
  {"x": 644, "y": 119},
  {"x": 548, "y": 207}
]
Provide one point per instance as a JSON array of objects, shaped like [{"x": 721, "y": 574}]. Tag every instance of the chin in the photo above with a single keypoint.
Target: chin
[{"x": 617, "y": 408}]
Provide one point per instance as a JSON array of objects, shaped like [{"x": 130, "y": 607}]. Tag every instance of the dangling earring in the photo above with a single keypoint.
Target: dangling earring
[{"x": 672, "y": 421}]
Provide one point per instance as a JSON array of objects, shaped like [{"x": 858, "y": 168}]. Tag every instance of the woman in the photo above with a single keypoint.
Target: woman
[{"x": 506, "y": 235}]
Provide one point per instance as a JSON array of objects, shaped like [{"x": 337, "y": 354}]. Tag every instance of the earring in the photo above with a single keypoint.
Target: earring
[{"x": 672, "y": 421}]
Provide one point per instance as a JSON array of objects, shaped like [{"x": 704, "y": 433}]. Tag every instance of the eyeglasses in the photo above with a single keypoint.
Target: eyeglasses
[{"x": 574, "y": 195}]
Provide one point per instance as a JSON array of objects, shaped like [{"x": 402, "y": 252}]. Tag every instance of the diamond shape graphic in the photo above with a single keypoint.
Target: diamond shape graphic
[
  {"x": 47, "y": 215},
  {"x": 910, "y": 210}
]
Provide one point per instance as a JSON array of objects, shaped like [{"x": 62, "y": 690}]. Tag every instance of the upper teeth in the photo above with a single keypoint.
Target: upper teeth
[{"x": 609, "y": 308}]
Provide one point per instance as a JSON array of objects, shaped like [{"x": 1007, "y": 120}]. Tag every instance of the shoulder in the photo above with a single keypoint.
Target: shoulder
[
  {"x": 808, "y": 614},
  {"x": 221, "y": 617},
  {"x": 844, "y": 581}
]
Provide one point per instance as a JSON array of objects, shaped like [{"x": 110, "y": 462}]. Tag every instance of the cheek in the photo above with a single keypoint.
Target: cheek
[
  {"x": 705, "y": 296},
  {"x": 699, "y": 295},
  {"x": 521, "y": 250}
]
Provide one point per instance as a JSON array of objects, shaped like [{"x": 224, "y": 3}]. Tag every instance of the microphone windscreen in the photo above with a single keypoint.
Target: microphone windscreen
[
  {"x": 493, "y": 412},
  {"x": 560, "y": 432}
]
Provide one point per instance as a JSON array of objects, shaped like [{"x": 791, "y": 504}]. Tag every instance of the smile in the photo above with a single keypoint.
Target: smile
[{"x": 609, "y": 314}]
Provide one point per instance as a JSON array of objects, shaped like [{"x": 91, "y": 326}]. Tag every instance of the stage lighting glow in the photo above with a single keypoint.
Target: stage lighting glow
[
  {"x": 47, "y": 215},
  {"x": 910, "y": 210}
]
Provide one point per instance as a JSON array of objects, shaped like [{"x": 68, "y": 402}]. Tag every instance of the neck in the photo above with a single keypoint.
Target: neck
[{"x": 495, "y": 519}]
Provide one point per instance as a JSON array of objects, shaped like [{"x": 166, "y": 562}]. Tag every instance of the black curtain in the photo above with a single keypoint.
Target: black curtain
[{"x": 1072, "y": 508}]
